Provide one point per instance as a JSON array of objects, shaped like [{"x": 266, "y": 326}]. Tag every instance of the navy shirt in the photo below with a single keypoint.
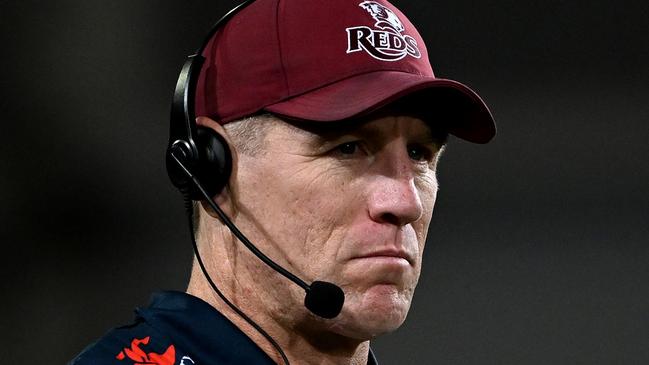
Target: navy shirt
[{"x": 176, "y": 329}]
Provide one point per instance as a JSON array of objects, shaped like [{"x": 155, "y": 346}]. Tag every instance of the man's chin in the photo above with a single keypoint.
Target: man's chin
[{"x": 379, "y": 310}]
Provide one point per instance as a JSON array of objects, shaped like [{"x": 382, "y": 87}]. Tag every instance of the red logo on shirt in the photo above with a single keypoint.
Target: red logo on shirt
[{"x": 139, "y": 357}]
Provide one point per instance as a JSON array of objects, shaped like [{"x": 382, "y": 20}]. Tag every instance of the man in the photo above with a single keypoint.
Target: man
[{"x": 335, "y": 125}]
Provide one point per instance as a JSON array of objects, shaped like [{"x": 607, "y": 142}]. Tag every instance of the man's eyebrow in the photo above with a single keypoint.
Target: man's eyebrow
[
  {"x": 322, "y": 132},
  {"x": 328, "y": 130}
]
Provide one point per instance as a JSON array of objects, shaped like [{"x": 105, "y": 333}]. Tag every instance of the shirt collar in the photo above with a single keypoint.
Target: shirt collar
[{"x": 202, "y": 332}]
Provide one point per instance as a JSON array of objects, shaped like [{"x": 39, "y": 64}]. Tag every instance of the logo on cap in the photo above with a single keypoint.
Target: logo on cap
[{"x": 387, "y": 43}]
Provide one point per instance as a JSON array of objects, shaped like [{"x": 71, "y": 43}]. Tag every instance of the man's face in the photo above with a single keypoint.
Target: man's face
[{"x": 348, "y": 203}]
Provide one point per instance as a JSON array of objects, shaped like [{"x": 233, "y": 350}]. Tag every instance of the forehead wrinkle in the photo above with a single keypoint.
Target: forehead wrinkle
[{"x": 325, "y": 130}]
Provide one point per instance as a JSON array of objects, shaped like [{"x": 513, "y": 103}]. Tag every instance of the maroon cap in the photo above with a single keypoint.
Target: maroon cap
[{"x": 328, "y": 60}]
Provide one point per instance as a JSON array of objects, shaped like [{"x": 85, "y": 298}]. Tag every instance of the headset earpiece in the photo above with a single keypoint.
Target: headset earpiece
[
  {"x": 215, "y": 167},
  {"x": 210, "y": 161}
]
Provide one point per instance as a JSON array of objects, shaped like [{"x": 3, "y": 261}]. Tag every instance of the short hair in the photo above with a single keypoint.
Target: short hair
[{"x": 248, "y": 136}]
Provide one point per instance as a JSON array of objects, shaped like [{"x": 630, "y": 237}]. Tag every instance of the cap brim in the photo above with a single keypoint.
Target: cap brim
[{"x": 455, "y": 106}]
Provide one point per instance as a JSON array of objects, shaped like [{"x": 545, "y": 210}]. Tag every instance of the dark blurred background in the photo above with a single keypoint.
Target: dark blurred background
[{"x": 539, "y": 246}]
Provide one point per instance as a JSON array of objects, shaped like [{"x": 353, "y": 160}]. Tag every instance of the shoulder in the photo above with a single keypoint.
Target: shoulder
[
  {"x": 175, "y": 329},
  {"x": 138, "y": 343}
]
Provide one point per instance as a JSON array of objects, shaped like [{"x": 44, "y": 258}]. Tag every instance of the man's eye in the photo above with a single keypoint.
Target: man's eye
[
  {"x": 348, "y": 148},
  {"x": 419, "y": 153}
]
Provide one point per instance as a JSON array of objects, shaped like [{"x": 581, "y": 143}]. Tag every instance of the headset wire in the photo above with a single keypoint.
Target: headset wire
[{"x": 190, "y": 214}]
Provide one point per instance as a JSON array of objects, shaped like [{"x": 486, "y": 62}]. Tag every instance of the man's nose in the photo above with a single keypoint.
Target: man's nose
[{"x": 395, "y": 199}]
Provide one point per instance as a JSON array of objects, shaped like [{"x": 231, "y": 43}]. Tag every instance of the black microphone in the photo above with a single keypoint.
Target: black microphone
[{"x": 322, "y": 298}]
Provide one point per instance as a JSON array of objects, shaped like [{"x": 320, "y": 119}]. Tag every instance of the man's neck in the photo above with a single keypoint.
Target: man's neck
[{"x": 300, "y": 346}]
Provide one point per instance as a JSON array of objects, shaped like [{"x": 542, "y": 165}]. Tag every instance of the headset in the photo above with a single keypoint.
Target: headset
[
  {"x": 204, "y": 151},
  {"x": 199, "y": 164}
]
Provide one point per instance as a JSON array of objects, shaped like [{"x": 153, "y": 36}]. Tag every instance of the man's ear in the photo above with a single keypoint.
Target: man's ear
[{"x": 224, "y": 198}]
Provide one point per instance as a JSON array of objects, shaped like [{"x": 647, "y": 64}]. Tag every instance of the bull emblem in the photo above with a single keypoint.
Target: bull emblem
[{"x": 385, "y": 18}]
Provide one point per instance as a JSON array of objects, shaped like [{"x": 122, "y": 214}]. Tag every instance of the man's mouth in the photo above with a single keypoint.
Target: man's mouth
[{"x": 388, "y": 255}]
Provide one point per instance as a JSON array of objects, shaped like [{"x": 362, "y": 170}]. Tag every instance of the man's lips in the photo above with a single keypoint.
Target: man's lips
[{"x": 387, "y": 253}]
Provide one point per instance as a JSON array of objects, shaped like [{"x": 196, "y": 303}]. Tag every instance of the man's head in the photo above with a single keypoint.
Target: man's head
[{"x": 334, "y": 174}]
